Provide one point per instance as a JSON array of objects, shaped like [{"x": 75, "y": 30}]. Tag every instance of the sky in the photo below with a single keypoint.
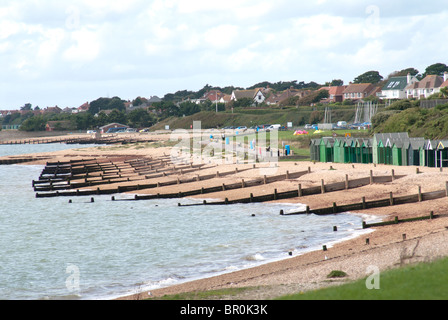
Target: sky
[{"x": 66, "y": 53}]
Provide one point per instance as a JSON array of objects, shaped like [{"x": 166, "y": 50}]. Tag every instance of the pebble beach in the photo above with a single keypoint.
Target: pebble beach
[{"x": 384, "y": 247}]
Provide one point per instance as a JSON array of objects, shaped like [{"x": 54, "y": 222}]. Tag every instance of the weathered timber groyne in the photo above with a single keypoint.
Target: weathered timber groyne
[
  {"x": 365, "y": 205},
  {"x": 301, "y": 192}
]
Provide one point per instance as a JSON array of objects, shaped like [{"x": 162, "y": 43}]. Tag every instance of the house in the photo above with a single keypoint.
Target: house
[
  {"x": 395, "y": 88},
  {"x": 226, "y": 98},
  {"x": 276, "y": 98},
  {"x": 358, "y": 91},
  {"x": 256, "y": 95},
  {"x": 336, "y": 94},
  {"x": 445, "y": 82},
  {"x": 55, "y": 110},
  {"x": 425, "y": 88},
  {"x": 84, "y": 108},
  {"x": 213, "y": 96}
]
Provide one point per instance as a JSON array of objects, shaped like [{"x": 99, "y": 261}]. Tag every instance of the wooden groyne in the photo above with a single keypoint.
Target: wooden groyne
[
  {"x": 139, "y": 187},
  {"x": 365, "y": 205},
  {"x": 223, "y": 187},
  {"x": 18, "y": 160},
  {"x": 301, "y": 192},
  {"x": 80, "y": 140},
  {"x": 398, "y": 221}
]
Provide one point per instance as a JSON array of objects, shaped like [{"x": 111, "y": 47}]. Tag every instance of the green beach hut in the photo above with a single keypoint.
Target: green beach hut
[
  {"x": 315, "y": 150},
  {"x": 326, "y": 149}
]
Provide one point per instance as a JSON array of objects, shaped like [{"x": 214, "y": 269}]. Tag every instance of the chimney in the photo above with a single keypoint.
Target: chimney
[
  {"x": 409, "y": 78},
  {"x": 445, "y": 76}
]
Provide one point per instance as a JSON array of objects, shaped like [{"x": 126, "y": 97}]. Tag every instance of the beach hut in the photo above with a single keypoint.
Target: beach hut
[
  {"x": 442, "y": 149},
  {"x": 326, "y": 149},
  {"x": 431, "y": 154},
  {"x": 315, "y": 150},
  {"x": 413, "y": 152},
  {"x": 338, "y": 155},
  {"x": 381, "y": 151},
  {"x": 397, "y": 153},
  {"x": 366, "y": 151}
]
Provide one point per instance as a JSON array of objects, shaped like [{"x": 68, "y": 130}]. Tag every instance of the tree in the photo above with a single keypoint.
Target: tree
[
  {"x": 436, "y": 69},
  {"x": 337, "y": 83},
  {"x": 373, "y": 77},
  {"x": 444, "y": 92},
  {"x": 106, "y": 104},
  {"x": 140, "y": 118},
  {"x": 117, "y": 116},
  {"x": 27, "y": 107}
]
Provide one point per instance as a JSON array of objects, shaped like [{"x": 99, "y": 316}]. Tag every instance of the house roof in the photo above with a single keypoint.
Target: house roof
[
  {"x": 431, "y": 81},
  {"x": 359, "y": 87},
  {"x": 240, "y": 94},
  {"x": 445, "y": 84},
  {"x": 335, "y": 90},
  {"x": 396, "y": 83}
]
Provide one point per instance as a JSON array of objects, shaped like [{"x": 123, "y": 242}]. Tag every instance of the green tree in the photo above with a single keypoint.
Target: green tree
[
  {"x": 337, "y": 83},
  {"x": 36, "y": 123},
  {"x": 373, "y": 77},
  {"x": 140, "y": 118},
  {"x": 117, "y": 116},
  {"x": 436, "y": 69},
  {"x": 444, "y": 92}
]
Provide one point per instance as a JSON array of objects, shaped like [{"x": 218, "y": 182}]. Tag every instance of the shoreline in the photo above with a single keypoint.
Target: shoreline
[{"x": 424, "y": 241}]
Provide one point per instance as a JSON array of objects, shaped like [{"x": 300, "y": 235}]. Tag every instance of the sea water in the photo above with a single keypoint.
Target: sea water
[{"x": 53, "y": 249}]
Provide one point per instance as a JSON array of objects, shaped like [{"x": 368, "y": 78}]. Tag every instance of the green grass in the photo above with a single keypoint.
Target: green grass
[
  {"x": 206, "y": 295},
  {"x": 425, "y": 281}
]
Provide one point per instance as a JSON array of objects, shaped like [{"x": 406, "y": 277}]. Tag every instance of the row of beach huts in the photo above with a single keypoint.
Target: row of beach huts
[{"x": 385, "y": 148}]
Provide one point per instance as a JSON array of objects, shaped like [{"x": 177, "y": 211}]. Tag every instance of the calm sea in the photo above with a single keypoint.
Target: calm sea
[{"x": 53, "y": 249}]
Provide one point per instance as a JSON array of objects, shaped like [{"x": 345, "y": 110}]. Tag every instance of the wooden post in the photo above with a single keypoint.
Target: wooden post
[
  {"x": 420, "y": 199},
  {"x": 367, "y": 241},
  {"x": 223, "y": 187},
  {"x": 287, "y": 175},
  {"x": 346, "y": 182},
  {"x": 431, "y": 215},
  {"x": 335, "y": 207},
  {"x": 371, "y": 176},
  {"x": 300, "y": 190},
  {"x": 307, "y": 210},
  {"x": 446, "y": 188},
  {"x": 322, "y": 186},
  {"x": 391, "y": 197},
  {"x": 251, "y": 197},
  {"x": 364, "y": 206},
  {"x": 243, "y": 184},
  {"x": 393, "y": 174},
  {"x": 309, "y": 169},
  {"x": 275, "y": 194},
  {"x": 265, "y": 180}
]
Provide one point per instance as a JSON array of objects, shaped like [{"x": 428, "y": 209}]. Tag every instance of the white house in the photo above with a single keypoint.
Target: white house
[
  {"x": 255, "y": 94},
  {"x": 425, "y": 88},
  {"x": 395, "y": 87}
]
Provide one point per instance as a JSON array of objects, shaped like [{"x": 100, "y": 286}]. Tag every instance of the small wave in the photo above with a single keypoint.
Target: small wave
[{"x": 255, "y": 257}]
